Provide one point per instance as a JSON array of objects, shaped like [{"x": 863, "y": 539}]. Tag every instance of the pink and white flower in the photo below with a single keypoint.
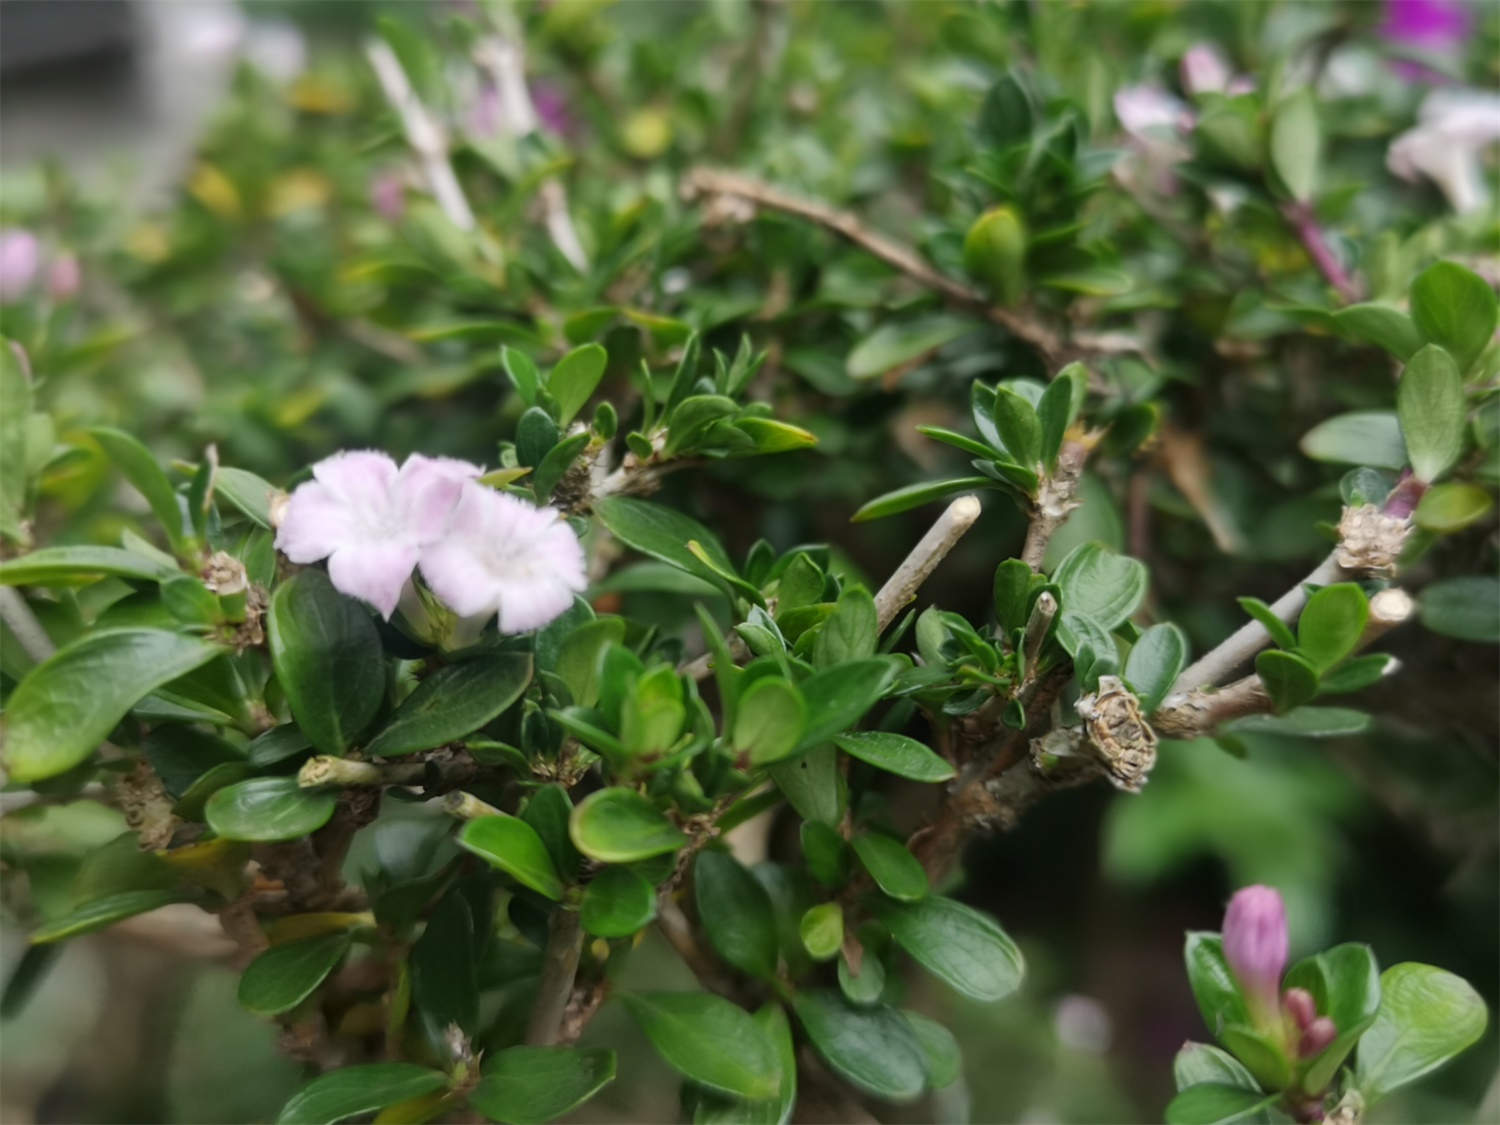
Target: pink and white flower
[
  {"x": 371, "y": 520},
  {"x": 1454, "y": 130},
  {"x": 502, "y": 556}
]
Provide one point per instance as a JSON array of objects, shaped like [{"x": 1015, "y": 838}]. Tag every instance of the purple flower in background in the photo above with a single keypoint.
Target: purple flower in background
[
  {"x": 551, "y": 106},
  {"x": 1454, "y": 128},
  {"x": 20, "y": 258},
  {"x": 1426, "y": 24},
  {"x": 388, "y": 194},
  {"x": 371, "y": 520},
  {"x": 1255, "y": 945},
  {"x": 502, "y": 556},
  {"x": 1204, "y": 70},
  {"x": 63, "y": 277}
]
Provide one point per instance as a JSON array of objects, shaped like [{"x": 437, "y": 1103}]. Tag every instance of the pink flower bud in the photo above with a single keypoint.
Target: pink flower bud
[
  {"x": 1204, "y": 71},
  {"x": 63, "y": 277},
  {"x": 1318, "y": 1035},
  {"x": 1255, "y": 944},
  {"x": 20, "y": 257},
  {"x": 1298, "y": 1003},
  {"x": 388, "y": 195}
]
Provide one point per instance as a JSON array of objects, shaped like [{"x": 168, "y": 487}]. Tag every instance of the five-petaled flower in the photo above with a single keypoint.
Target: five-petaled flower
[
  {"x": 502, "y": 556},
  {"x": 371, "y": 520}
]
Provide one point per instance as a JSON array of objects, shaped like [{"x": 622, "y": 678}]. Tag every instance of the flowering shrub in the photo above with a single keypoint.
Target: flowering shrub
[{"x": 439, "y": 742}]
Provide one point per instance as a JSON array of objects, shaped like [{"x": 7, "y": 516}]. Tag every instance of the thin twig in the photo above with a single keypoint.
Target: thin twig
[
  {"x": 923, "y": 559},
  {"x": 1304, "y": 223},
  {"x": 505, "y": 61},
  {"x": 711, "y": 182},
  {"x": 423, "y": 134},
  {"x": 1216, "y": 664},
  {"x": 559, "y": 968}
]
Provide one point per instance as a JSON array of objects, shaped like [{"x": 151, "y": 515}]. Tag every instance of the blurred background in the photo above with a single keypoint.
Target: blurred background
[{"x": 225, "y": 248}]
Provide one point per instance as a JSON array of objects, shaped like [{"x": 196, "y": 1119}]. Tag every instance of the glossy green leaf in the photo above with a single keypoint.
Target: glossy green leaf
[
  {"x": 1456, "y": 309},
  {"x": 1361, "y": 437},
  {"x": 1345, "y": 986},
  {"x": 822, "y": 930},
  {"x": 101, "y": 913},
  {"x": 1213, "y": 1103},
  {"x": 664, "y": 533},
  {"x": 851, "y": 632},
  {"x": 1197, "y": 1063},
  {"x": 1058, "y": 407},
  {"x": 285, "y": 975},
  {"x": 838, "y": 697},
  {"x": 1019, "y": 427},
  {"x": 735, "y": 913},
  {"x": 522, "y": 373},
  {"x": 812, "y": 784},
  {"x": 768, "y": 722},
  {"x": 895, "y": 753},
  {"x": 894, "y": 869},
  {"x": 1467, "y": 608},
  {"x": 1100, "y": 584},
  {"x": 532, "y": 1085},
  {"x": 621, "y": 826},
  {"x": 513, "y": 846},
  {"x": 710, "y": 1040},
  {"x": 898, "y": 343},
  {"x": 1290, "y": 680},
  {"x": 1380, "y": 325},
  {"x": 915, "y": 495},
  {"x": 266, "y": 809},
  {"x": 1444, "y": 508},
  {"x": 1331, "y": 624},
  {"x": 536, "y": 434},
  {"x": 866, "y": 986},
  {"x": 1431, "y": 406},
  {"x": 444, "y": 965},
  {"x": 826, "y": 854},
  {"x": 247, "y": 492},
  {"x": 1303, "y": 722},
  {"x": 69, "y": 703},
  {"x": 1426, "y": 1017},
  {"x": 574, "y": 379},
  {"x": 617, "y": 903},
  {"x": 1280, "y": 631},
  {"x": 958, "y": 944},
  {"x": 713, "y": 1108},
  {"x": 1356, "y": 674},
  {"x": 135, "y": 461},
  {"x": 1213, "y": 985},
  {"x": 579, "y": 654},
  {"x": 70, "y": 566},
  {"x": 327, "y": 657},
  {"x": 1154, "y": 663},
  {"x": 872, "y": 1048},
  {"x": 354, "y": 1090},
  {"x": 453, "y": 702},
  {"x": 941, "y": 1057}
]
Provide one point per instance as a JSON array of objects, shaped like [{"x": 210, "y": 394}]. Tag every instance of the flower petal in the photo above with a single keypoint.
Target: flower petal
[
  {"x": 316, "y": 524},
  {"x": 362, "y": 478},
  {"x": 457, "y": 575},
  {"x": 373, "y": 573},
  {"x": 426, "y": 491}
]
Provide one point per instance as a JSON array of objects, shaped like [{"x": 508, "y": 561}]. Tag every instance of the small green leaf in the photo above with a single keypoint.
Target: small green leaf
[
  {"x": 957, "y": 943},
  {"x": 1213, "y": 985},
  {"x": 1154, "y": 663},
  {"x": 1331, "y": 624},
  {"x": 1280, "y": 631},
  {"x": 1361, "y": 437},
  {"x": 72, "y": 566},
  {"x": 103, "y": 912},
  {"x": 554, "y": 465},
  {"x": 1356, "y": 674},
  {"x": 1467, "y": 608},
  {"x": 1290, "y": 680},
  {"x": 1214, "y": 1103},
  {"x": 69, "y": 703},
  {"x": 1430, "y": 403},
  {"x": 838, "y": 697},
  {"x": 1296, "y": 144},
  {"x": 915, "y": 495},
  {"x": 872, "y": 1048},
  {"x": 735, "y": 912},
  {"x": 1197, "y": 1063},
  {"x": 1012, "y": 589},
  {"x": 621, "y": 826},
  {"x": 994, "y": 252},
  {"x": 266, "y": 809},
  {"x": 522, "y": 373},
  {"x": 1303, "y": 722},
  {"x": 894, "y": 869},
  {"x": 1380, "y": 325},
  {"x": 533, "y": 1085},
  {"x": 141, "y": 470},
  {"x": 578, "y": 657},
  {"x": 1019, "y": 427},
  {"x": 1100, "y": 584},
  {"x": 826, "y": 854},
  {"x": 1456, "y": 309},
  {"x": 1444, "y": 508},
  {"x": 1058, "y": 407},
  {"x": 328, "y": 660},
  {"x": 710, "y": 1040},
  {"x": 285, "y": 975},
  {"x": 575, "y": 378},
  {"x": 866, "y": 986},
  {"x": 664, "y": 533},
  {"x": 897, "y": 343},
  {"x": 812, "y": 784},
  {"x": 851, "y": 632},
  {"x": 513, "y": 846},
  {"x": 1426, "y": 1017},
  {"x": 617, "y": 903},
  {"x": 453, "y": 702},
  {"x": 768, "y": 720},
  {"x": 355, "y": 1090},
  {"x": 895, "y": 753},
  {"x": 941, "y": 1057},
  {"x": 822, "y": 930}
]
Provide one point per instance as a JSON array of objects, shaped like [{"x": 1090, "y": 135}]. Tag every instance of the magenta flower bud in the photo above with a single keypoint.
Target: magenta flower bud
[
  {"x": 1426, "y": 24},
  {"x": 1204, "y": 71},
  {"x": 388, "y": 195},
  {"x": 1318, "y": 1035},
  {"x": 1255, "y": 945},
  {"x": 551, "y": 104},
  {"x": 20, "y": 258},
  {"x": 1299, "y": 1005},
  {"x": 63, "y": 277}
]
